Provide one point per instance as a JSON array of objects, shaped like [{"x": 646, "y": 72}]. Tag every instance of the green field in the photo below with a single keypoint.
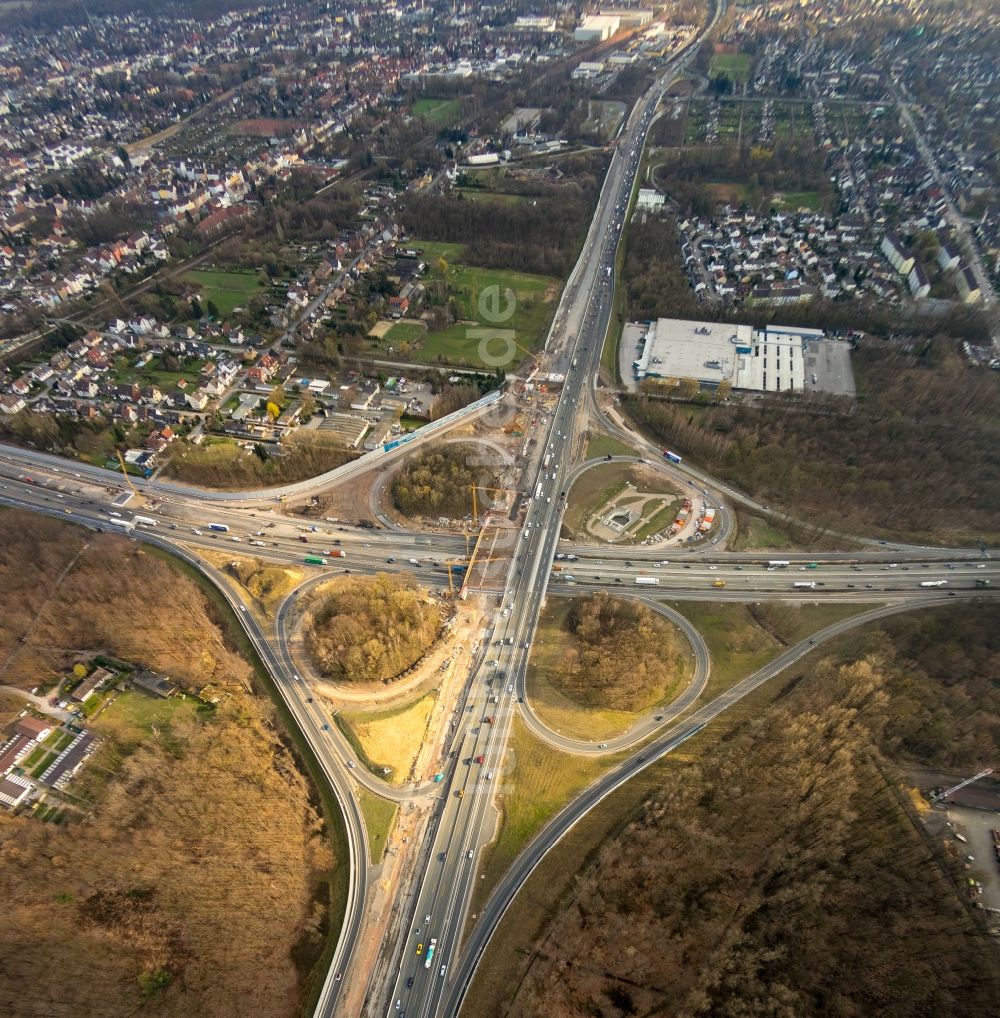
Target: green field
[
  {"x": 43, "y": 765},
  {"x": 475, "y": 194},
  {"x": 735, "y": 66},
  {"x": 803, "y": 199},
  {"x": 436, "y": 111},
  {"x": 405, "y": 332},
  {"x": 432, "y": 250},
  {"x": 33, "y": 757},
  {"x": 599, "y": 446},
  {"x": 380, "y": 816},
  {"x": 132, "y": 716},
  {"x": 227, "y": 290},
  {"x": 154, "y": 373},
  {"x": 479, "y": 295},
  {"x": 58, "y": 740}
]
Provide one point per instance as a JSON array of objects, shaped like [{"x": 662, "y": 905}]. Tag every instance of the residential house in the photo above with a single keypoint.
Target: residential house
[
  {"x": 89, "y": 686},
  {"x": 919, "y": 285},
  {"x": 968, "y": 288},
  {"x": 897, "y": 254}
]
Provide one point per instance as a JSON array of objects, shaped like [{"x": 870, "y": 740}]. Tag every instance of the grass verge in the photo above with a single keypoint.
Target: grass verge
[
  {"x": 599, "y": 446},
  {"x": 393, "y": 736},
  {"x": 738, "y": 644},
  {"x": 380, "y": 817},
  {"x": 536, "y": 782}
]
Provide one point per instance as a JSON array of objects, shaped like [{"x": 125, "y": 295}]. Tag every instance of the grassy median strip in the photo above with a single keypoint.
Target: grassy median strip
[
  {"x": 511, "y": 950},
  {"x": 536, "y": 781},
  {"x": 739, "y": 643},
  {"x": 380, "y": 818}
]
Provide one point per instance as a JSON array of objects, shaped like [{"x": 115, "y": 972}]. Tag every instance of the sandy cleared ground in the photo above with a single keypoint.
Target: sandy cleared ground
[{"x": 394, "y": 738}]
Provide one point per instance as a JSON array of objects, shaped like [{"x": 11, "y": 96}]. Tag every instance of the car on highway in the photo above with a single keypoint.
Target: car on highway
[
  {"x": 468, "y": 855},
  {"x": 409, "y": 983},
  {"x": 443, "y": 967},
  {"x": 420, "y": 948}
]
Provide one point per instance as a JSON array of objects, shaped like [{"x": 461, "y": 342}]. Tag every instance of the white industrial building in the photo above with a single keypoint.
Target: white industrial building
[
  {"x": 597, "y": 28},
  {"x": 650, "y": 198},
  {"x": 759, "y": 360}
]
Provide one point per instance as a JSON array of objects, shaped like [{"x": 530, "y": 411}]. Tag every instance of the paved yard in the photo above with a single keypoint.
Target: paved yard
[{"x": 976, "y": 824}]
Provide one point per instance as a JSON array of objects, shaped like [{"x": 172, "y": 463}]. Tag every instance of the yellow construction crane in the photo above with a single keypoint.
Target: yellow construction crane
[
  {"x": 128, "y": 480},
  {"x": 453, "y": 562},
  {"x": 488, "y": 489}
]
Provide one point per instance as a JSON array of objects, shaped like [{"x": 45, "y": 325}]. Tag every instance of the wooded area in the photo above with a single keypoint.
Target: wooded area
[
  {"x": 437, "y": 482},
  {"x": 775, "y": 874},
  {"x": 371, "y": 628},
  {"x": 620, "y": 655},
  {"x": 919, "y": 455},
  {"x": 542, "y": 235},
  {"x": 301, "y": 455},
  {"x": 201, "y": 866},
  {"x": 109, "y": 585},
  {"x": 942, "y": 673}
]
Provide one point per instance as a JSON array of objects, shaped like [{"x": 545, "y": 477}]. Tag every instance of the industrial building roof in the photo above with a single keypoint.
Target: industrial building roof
[{"x": 762, "y": 360}]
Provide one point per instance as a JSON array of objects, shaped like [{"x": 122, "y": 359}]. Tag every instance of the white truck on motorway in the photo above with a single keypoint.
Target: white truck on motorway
[
  {"x": 647, "y": 581},
  {"x": 805, "y": 585},
  {"x": 933, "y": 583},
  {"x": 145, "y": 521}
]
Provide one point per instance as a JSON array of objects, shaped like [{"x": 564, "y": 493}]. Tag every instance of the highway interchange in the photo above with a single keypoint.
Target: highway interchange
[{"x": 888, "y": 578}]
